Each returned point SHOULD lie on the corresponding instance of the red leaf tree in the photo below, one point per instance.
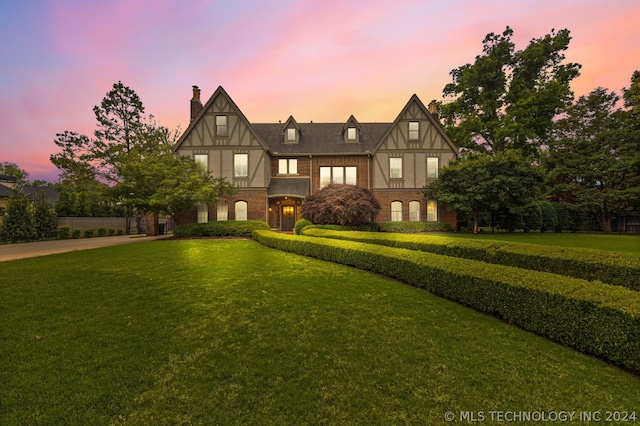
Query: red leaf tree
(341, 205)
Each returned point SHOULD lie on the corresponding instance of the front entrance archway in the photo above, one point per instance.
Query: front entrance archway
(284, 212)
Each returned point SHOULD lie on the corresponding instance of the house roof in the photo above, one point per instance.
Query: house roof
(321, 138)
(5, 191)
(288, 187)
(50, 194)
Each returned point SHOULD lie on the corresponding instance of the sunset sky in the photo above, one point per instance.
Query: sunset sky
(316, 60)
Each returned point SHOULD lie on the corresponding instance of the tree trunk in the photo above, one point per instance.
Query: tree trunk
(605, 223)
(475, 222)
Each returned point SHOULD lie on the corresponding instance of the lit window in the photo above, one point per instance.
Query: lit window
(203, 213)
(241, 165)
(241, 210)
(395, 168)
(432, 167)
(351, 134)
(222, 210)
(291, 134)
(414, 211)
(202, 162)
(432, 211)
(396, 211)
(414, 130)
(288, 166)
(221, 125)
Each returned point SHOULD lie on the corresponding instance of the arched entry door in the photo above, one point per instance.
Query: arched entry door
(288, 218)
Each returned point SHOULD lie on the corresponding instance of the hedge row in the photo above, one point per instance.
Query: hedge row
(414, 227)
(609, 267)
(592, 317)
(227, 228)
(64, 232)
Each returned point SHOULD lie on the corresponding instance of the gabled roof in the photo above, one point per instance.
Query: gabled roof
(219, 92)
(351, 121)
(416, 100)
(291, 122)
(321, 138)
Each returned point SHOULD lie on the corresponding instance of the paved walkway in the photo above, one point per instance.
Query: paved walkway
(43, 248)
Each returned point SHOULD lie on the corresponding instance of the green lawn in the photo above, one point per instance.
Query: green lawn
(626, 243)
(231, 332)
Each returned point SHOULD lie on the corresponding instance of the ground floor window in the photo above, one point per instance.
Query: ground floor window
(414, 211)
(241, 210)
(432, 211)
(203, 213)
(396, 211)
(222, 210)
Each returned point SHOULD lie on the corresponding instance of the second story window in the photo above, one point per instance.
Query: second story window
(414, 130)
(395, 168)
(202, 162)
(432, 167)
(240, 165)
(291, 134)
(288, 166)
(338, 175)
(221, 125)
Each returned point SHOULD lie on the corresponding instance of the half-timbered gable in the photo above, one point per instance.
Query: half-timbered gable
(276, 165)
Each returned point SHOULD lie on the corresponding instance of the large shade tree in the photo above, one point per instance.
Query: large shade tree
(479, 183)
(507, 98)
(593, 161)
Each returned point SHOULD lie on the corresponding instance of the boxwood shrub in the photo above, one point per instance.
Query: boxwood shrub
(609, 267)
(227, 228)
(89, 232)
(592, 317)
(64, 232)
(414, 227)
(102, 231)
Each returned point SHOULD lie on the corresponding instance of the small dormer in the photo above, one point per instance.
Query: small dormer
(291, 131)
(351, 130)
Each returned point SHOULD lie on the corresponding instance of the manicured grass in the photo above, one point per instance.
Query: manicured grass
(231, 332)
(624, 243)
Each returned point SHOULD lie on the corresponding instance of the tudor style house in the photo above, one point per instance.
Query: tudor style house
(275, 166)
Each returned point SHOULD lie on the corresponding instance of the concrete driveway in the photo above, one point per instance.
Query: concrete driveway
(43, 248)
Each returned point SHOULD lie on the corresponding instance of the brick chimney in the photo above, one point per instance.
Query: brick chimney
(433, 109)
(196, 104)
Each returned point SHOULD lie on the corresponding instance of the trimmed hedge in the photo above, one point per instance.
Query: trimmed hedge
(227, 228)
(414, 227)
(610, 267)
(64, 232)
(592, 317)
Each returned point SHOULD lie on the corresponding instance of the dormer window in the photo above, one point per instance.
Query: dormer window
(351, 130)
(291, 134)
(352, 134)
